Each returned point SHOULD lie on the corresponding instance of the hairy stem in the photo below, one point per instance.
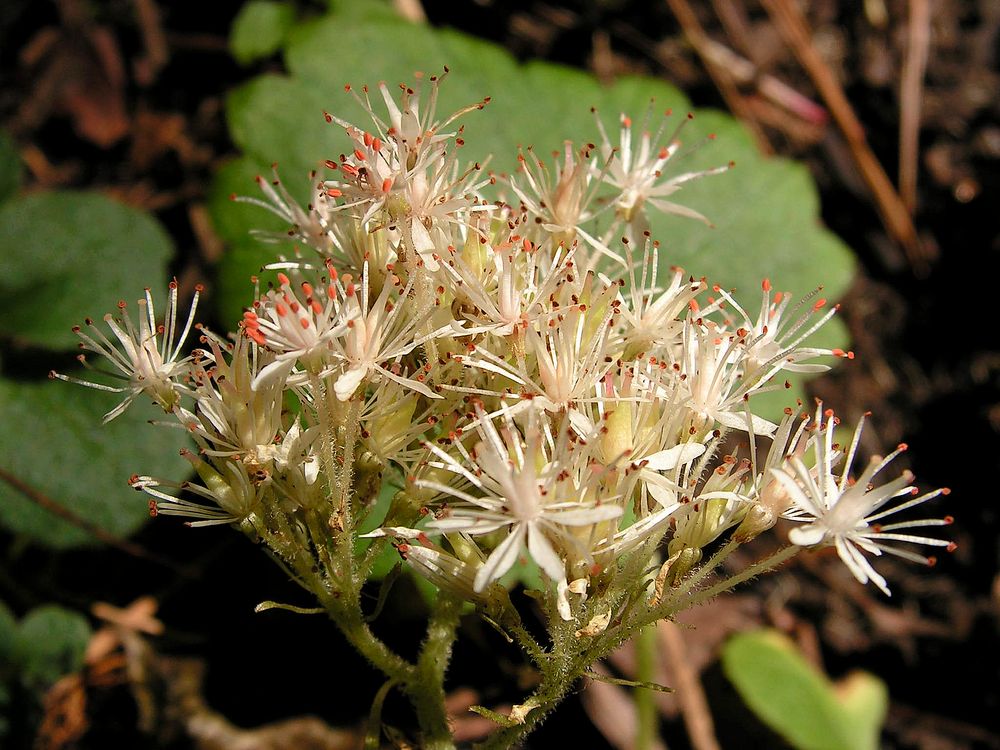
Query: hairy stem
(349, 620)
(426, 691)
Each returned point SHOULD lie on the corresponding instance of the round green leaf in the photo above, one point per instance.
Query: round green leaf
(259, 29)
(54, 443)
(63, 254)
(50, 643)
(8, 637)
(799, 702)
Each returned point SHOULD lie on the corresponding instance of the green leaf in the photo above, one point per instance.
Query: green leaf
(765, 210)
(10, 167)
(799, 702)
(64, 254)
(259, 29)
(49, 644)
(8, 635)
(55, 425)
(246, 254)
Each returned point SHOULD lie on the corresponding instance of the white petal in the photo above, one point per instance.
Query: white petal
(738, 421)
(272, 373)
(807, 536)
(667, 498)
(500, 560)
(348, 383)
(544, 554)
(584, 516)
(674, 457)
(581, 423)
(468, 525)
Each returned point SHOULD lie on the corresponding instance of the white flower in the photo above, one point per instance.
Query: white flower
(849, 513)
(774, 341)
(653, 312)
(234, 493)
(309, 225)
(561, 201)
(636, 171)
(712, 371)
(151, 364)
(232, 418)
(768, 497)
(433, 562)
(406, 175)
(511, 287)
(379, 334)
(296, 330)
(570, 354)
(516, 485)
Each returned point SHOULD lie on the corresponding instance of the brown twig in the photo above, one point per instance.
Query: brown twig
(720, 76)
(123, 545)
(157, 51)
(737, 26)
(694, 706)
(792, 27)
(775, 90)
(910, 99)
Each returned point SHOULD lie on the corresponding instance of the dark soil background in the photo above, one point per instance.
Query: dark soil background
(126, 96)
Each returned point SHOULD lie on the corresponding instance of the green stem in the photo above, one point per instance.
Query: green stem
(426, 691)
(546, 697)
(349, 620)
(762, 566)
(647, 715)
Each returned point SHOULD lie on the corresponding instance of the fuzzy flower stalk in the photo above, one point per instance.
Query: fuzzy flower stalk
(501, 380)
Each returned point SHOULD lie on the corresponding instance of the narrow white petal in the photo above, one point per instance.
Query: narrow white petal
(674, 457)
(275, 372)
(543, 553)
(500, 560)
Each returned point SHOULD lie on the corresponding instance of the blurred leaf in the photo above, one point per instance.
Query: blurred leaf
(259, 29)
(50, 643)
(799, 702)
(66, 255)
(246, 254)
(865, 699)
(8, 635)
(55, 424)
(765, 211)
(10, 167)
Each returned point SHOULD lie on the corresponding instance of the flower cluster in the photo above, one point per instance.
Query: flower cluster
(535, 391)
